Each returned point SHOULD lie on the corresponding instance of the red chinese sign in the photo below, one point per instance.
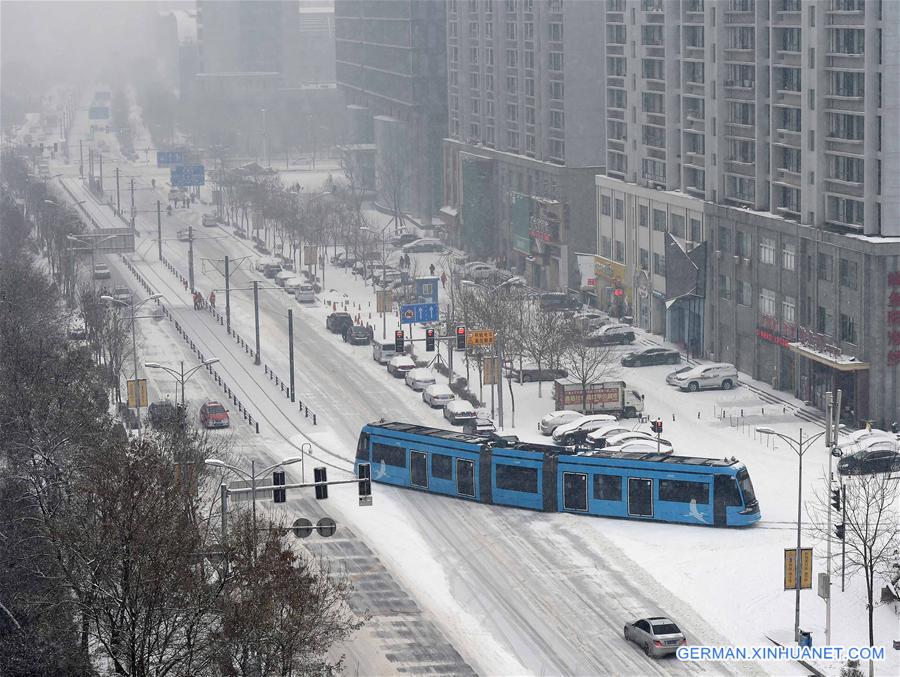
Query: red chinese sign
(893, 318)
(772, 338)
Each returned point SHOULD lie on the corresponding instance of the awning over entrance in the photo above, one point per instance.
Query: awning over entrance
(837, 361)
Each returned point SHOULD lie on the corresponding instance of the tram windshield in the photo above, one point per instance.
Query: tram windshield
(743, 478)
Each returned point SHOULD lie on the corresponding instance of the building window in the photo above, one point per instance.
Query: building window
(529, 59)
(511, 84)
(653, 69)
(644, 259)
(847, 273)
(557, 149)
(615, 98)
(615, 66)
(557, 117)
(767, 302)
(620, 209)
(643, 216)
(744, 293)
(824, 321)
(693, 36)
(652, 35)
(767, 250)
(529, 31)
(512, 140)
(473, 29)
(511, 30)
(489, 82)
(605, 247)
(489, 136)
(512, 112)
(615, 34)
(789, 119)
(473, 80)
(788, 310)
(529, 143)
(489, 108)
(825, 267)
(848, 40)
(488, 28)
(620, 251)
(529, 115)
(605, 205)
(847, 126)
(742, 246)
(474, 130)
(476, 106)
(659, 220)
(849, 84)
(512, 58)
(659, 264)
(557, 90)
(788, 79)
(653, 102)
(845, 210)
(454, 77)
(844, 168)
(655, 170)
(741, 113)
(529, 86)
(724, 239)
(724, 287)
(556, 61)
(848, 328)
(790, 40)
(676, 225)
(693, 72)
(788, 256)
(556, 32)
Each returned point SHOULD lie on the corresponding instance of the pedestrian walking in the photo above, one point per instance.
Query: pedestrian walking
(443, 280)
(431, 268)
(212, 298)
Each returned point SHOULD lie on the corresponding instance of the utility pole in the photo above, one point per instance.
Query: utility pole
(227, 297)
(833, 417)
(256, 316)
(81, 158)
(118, 195)
(159, 228)
(291, 348)
(499, 378)
(132, 204)
(101, 172)
(191, 257)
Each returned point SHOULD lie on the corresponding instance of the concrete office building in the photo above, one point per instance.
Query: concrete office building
(391, 70)
(526, 137)
(770, 124)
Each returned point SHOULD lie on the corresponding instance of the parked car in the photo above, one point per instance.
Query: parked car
(610, 334)
(271, 270)
(577, 431)
(383, 351)
(337, 322)
(213, 415)
(723, 376)
(437, 395)
(479, 426)
(399, 365)
(657, 635)
(292, 284)
(879, 457)
(533, 374)
(210, 220)
(672, 378)
(386, 278)
(554, 419)
(282, 276)
(598, 438)
(423, 244)
(618, 439)
(121, 293)
(648, 356)
(552, 301)
(459, 411)
(589, 320)
(479, 271)
(641, 447)
(101, 271)
(358, 335)
(420, 378)
(402, 239)
(305, 293)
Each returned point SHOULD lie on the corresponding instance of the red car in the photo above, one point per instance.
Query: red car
(214, 415)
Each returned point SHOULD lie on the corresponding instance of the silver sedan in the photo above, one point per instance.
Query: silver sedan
(657, 636)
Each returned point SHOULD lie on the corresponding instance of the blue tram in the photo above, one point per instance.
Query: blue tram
(650, 486)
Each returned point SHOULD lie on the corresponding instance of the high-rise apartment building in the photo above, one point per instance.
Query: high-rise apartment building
(526, 137)
(391, 68)
(757, 139)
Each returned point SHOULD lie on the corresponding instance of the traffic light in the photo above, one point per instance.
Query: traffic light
(429, 340)
(278, 495)
(398, 341)
(656, 426)
(460, 338)
(365, 481)
(321, 475)
(836, 499)
(839, 531)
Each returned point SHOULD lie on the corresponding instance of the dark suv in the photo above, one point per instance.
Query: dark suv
(529, 375)
(558, 301)
(358, 335)
(336, 323)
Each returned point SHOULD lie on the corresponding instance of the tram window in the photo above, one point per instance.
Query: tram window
(728, 488)
(746, 487)
(680, 491)
(442, 466)
(516, 478)
(362, 447)
(389, 454)
(607, 488)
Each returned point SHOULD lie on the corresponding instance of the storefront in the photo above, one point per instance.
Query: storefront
(538, 231)
(611, 288)
(823, 369)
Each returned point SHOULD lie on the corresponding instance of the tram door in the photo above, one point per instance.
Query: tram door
(640, 497)
(724, 487)
(418, 470)
(465, 477)
(575, 491)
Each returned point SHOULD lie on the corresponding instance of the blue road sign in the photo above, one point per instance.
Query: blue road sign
(417, 313)
(187, 175)
(98, 113)
(169, 158)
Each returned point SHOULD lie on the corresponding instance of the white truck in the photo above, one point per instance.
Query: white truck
(609, 397)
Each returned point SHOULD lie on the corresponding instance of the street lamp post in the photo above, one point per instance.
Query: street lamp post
(134, 306)
(252, 476)
(383, 276)
(181, 376)
(800, 447)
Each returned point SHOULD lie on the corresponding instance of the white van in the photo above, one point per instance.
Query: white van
(459, 411)
(724, 376)
(383, 351)
(305, 293)
(283, 276)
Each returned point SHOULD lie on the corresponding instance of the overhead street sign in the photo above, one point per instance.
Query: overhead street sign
(187, 175)
(480, 337)
(169, 158)
(98, 113)
(417, 313)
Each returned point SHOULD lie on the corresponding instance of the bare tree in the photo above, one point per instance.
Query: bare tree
(871, 531)
(587, 363)
(394, 173)
(544, 339)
